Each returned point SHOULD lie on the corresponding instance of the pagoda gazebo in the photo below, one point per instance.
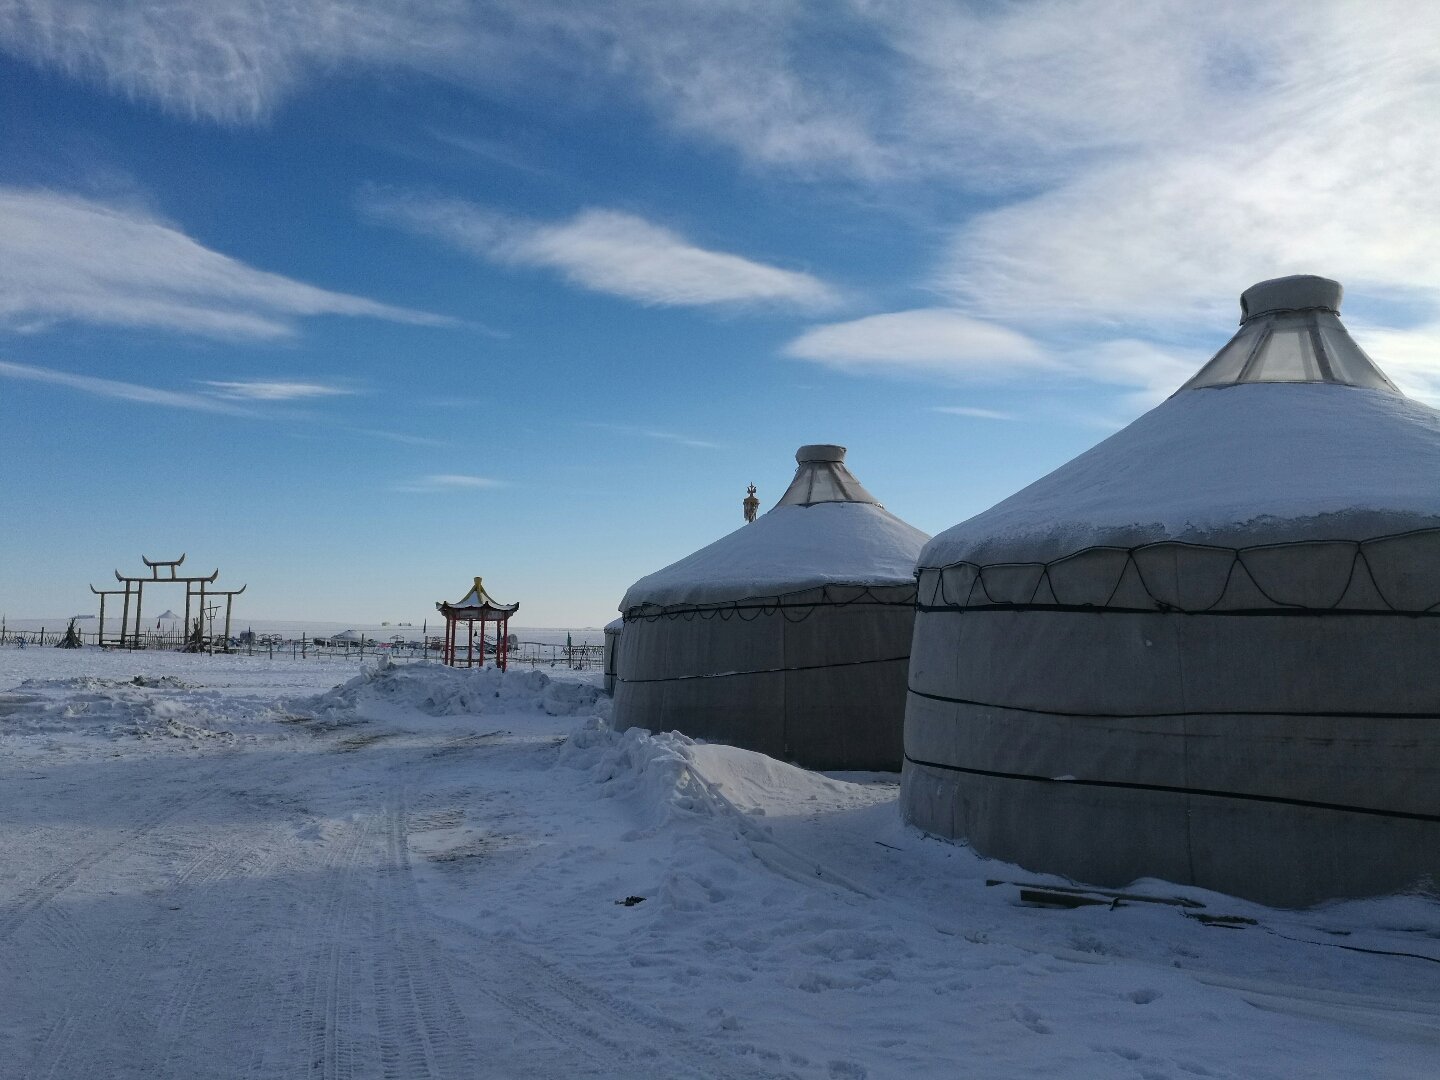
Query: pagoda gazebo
(477, 606)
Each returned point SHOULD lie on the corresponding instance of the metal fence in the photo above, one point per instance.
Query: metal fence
(521, 654)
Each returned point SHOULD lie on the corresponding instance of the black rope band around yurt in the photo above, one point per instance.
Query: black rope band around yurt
(770, 671)
(1039, 711)
(1309, 804)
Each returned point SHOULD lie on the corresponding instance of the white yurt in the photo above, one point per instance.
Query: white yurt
(1207, 649)
(789, 636)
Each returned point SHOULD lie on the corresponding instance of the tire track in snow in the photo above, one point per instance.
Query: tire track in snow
(601, 1026)
(52, 884)
(313, 1012)
(423, 1030)
(113, 1004)
(114, 1013)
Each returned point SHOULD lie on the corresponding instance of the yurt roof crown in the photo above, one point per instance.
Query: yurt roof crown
(1290, 331)
(821, 477)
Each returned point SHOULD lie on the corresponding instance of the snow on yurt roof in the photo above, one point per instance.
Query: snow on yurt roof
(1290, 433)
(826, 529)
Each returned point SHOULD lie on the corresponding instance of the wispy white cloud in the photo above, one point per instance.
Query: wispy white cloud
(441, 482)
(659, 436)
(735, 72)
(928, 341)
(1156, 371)
(1410, 357)
(227, 60)
(1248, 157)
(947, 345)
(63, 257)
(606, 251)
(628, 256)
(275, 391)
(123, 391)
(1146, 161)
(401, 437)
(972, 411)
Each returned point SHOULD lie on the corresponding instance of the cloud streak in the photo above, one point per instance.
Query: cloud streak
(606, 251)
(451, 482)
(67, 258)
(121, 391)
(275, 391)
(972, 411)
(228, 60)
(659, 436)
(925, 341)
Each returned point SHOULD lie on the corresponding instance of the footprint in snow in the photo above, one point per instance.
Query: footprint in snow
(1031, 1019)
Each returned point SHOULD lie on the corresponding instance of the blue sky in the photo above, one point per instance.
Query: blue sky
(358, 300)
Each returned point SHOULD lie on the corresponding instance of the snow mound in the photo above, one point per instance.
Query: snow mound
(437, 690)
(654, 770)
(107, 708)
(672, 776)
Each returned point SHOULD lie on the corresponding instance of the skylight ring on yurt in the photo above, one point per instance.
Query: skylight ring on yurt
(1290, 332)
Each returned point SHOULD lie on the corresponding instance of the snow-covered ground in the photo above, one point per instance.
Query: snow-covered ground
(224, 866)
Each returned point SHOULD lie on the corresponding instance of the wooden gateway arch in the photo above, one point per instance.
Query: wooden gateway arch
(130, 637)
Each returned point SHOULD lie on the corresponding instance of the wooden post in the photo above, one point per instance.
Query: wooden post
(125, 616)
(229, 599)
(100, 635)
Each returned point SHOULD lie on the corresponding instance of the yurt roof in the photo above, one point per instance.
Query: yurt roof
(826, 529)
(1312, 443)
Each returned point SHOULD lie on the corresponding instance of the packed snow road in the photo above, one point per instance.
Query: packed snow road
(219, 867)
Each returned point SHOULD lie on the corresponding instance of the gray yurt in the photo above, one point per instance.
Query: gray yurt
(1207, 649)
(789, 636)
(612, 652)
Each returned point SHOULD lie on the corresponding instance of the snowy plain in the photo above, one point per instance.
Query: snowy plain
(222, 866)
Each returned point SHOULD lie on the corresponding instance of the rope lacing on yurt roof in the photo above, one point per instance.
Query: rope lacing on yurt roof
(1360, 574)
(787, 605)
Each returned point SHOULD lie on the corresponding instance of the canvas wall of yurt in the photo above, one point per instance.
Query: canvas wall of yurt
(611, 654)
(789, 636)
(1206, 649)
